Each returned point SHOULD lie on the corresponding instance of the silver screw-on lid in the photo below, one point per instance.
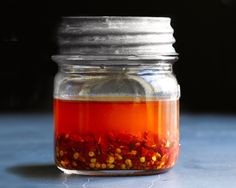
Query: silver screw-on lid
(137, 37)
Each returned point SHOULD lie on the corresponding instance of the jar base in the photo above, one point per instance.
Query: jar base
(113, 172)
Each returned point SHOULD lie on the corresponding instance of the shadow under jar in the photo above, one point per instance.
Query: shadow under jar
(116, 100)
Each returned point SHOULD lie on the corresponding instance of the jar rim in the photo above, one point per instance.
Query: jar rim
(112, 60)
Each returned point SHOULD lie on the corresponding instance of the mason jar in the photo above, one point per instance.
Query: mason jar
(116, 99)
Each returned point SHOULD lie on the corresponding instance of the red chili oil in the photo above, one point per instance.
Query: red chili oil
(116, 134)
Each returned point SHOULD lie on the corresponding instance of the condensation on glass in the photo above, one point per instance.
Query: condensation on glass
(116, 100)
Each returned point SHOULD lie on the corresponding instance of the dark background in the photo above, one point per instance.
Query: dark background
(205, 31)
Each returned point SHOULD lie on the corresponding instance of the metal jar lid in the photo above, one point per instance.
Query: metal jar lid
(104, 37)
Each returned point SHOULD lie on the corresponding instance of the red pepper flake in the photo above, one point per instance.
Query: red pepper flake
(92, 165)
(91, 154)
(123, 166)
(118, 151)
(142, 159)
(103, 166)
(110, 159)
(154, 158)
(76, 155)
(74, 163)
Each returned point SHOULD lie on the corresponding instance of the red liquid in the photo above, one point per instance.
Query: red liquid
(97, 135)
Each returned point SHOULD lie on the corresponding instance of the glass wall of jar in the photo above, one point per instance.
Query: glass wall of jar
(116, 100)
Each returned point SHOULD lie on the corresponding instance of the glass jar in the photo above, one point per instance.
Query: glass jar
(116, 100)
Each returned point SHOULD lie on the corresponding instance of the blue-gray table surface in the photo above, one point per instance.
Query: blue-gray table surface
(207, 158)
